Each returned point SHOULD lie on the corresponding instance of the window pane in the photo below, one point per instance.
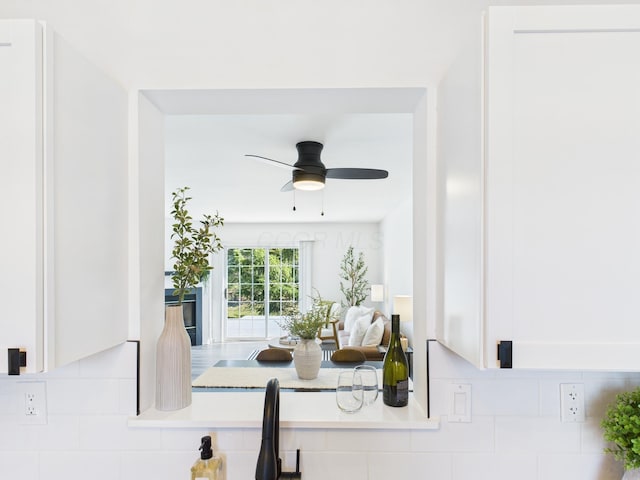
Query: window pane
(275, 273)
(245, 274)
(232, 293)
(246, 292)
(275, 292)
(250, 312)
(289, 291)
(258, 292)
(233, 274)
(258, 274)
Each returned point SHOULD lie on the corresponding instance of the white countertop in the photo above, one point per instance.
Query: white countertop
(307, 410)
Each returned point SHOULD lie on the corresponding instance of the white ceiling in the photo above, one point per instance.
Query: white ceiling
(359, 128)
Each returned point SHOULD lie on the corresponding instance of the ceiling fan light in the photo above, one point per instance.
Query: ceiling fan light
(307, 181)
(308, 185)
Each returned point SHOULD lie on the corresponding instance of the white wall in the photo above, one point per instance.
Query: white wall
(397, 231)
(515, 431)
(291, 44)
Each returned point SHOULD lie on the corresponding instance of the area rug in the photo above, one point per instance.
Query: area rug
(257, 377)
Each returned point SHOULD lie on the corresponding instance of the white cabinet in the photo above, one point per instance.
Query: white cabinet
(554, 200)
(63, 181)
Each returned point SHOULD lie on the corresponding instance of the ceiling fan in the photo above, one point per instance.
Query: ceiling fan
(309, 173)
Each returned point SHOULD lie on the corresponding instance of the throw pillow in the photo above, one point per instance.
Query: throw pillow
(353, 313)
(359, 330)
(373, 335)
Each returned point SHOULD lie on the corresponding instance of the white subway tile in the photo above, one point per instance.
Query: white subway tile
(9, 403)
(505, 397)
(368, 440)
(439, 396)
(243, 465)
(110, 432)
(16, 437)
(338, 466)
(79, 465)
(227, 440)
(127, 397)
(157, 465)
(305, 440)
(410, 465)
(495, 467)
(601, 392)
(20, 465)
(592, 436)
(83, 396)
(536, 434)
(550, 397)
(186, 440)
(61, 433)
(563, 467)
(477, 436)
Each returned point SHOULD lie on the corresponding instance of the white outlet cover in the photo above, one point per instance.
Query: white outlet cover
(572, 408)
(38, 407)
(459, 403)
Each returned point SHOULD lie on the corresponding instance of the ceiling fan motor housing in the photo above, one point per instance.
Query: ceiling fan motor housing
(309, 168)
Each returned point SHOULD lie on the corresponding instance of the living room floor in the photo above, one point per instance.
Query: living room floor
(205, 356)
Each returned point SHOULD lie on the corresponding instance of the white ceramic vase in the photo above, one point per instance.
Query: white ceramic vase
(633, 474)
(307, 357)
(173, 362)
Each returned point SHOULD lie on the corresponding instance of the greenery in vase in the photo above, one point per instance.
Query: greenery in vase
(192, 246)
(353, 270)
(621, 425)
(306, 325)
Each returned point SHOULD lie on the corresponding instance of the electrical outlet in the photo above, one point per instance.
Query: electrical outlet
(572, 402)
(32, 398)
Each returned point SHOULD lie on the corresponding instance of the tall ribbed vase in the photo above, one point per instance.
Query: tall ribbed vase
(173, 362)
(307, 358)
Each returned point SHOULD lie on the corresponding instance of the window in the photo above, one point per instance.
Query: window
(262, 286)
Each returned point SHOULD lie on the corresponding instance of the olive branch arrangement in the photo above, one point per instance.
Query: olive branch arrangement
(192, 246)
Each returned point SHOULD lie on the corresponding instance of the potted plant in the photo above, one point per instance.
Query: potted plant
(353, 270)
(192, 246)
(307, 354)
(192, 249)
(621, 426)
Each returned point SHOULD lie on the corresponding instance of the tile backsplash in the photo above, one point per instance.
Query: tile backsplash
(515, 431)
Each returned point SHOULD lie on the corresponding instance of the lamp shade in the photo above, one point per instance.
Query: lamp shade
(377, 293)
(403, 306)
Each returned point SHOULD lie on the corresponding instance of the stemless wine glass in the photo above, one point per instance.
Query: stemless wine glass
(369, 377)
(349, 391)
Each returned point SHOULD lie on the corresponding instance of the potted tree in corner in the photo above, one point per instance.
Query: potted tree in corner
(621, 426)
(353, 271)
(191, 251)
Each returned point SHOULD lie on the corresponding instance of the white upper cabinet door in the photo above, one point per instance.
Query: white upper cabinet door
(562, 187)
(64, 209)
(21, 191)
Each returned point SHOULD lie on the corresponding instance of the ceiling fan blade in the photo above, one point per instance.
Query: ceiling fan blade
(287, 187)
(271, 161)
(357, 173)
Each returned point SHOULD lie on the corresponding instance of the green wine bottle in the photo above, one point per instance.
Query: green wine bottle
(395, 370)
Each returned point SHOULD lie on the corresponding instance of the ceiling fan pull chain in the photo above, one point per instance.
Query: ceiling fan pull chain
(294, 200)
(322, 207)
